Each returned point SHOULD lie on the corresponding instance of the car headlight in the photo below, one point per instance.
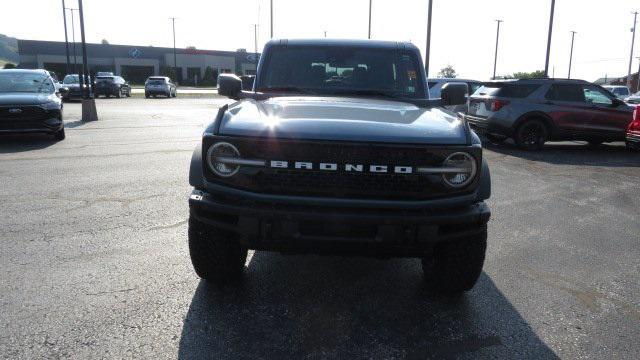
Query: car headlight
(220, 158)
(463, 169)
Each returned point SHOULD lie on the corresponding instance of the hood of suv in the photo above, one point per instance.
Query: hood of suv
(342, 119)
(9, 99)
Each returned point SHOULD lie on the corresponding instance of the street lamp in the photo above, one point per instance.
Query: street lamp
(546, 63)
(633, 39)
(427, 55)
(370, 4)
(175, 57)
(66, 37)
(73, 39)
(89, 112)
(495, 58)
(573, 35)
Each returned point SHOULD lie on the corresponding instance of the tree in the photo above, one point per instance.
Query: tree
(447, 72)
(104, 42)
(9, 66)
(169, 71)
(209, 78)
(191, 48)
(538, 74)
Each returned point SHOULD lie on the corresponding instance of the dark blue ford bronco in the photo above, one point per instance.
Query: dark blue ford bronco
(337, 149)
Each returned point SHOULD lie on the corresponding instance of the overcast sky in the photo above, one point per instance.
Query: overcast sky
(463, 31)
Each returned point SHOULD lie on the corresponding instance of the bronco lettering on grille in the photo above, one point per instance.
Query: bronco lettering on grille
(306, 165)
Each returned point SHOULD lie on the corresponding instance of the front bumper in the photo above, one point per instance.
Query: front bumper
(364, 230)
(49, 126)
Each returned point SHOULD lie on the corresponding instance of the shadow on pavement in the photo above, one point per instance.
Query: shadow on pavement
(572, 153)
(25, 142)
(345, 308)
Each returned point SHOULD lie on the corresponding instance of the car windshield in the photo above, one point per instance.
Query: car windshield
(72, 79)
(105, 79)
(25, 83)
(344, 70)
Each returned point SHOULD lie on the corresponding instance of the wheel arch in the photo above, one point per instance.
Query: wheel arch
(536, 115)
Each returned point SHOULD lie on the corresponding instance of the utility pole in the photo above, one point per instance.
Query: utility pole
(633, 39)
(638, 82)
(89, 112)
(325, 33)
(546, 63)
(271, 19)
(175, 57)
(573, 35)
(73, 38)
(370, 4)
(255, 39)
(66, 37)
(427, 55)
(495, 59)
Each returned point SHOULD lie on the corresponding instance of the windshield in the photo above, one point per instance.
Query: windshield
(72, 79)
(106, 79)
(331, 70)
(25, 82)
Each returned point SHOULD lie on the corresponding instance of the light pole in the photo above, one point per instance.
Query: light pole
(175, 57)
(495, 58)
(89, 112)
(73, 39)
(573, 35)
(546, 63)
(255, 39)
(272, 19)
(66, 37)
(633, 39)
(427, 55)
(370, 4)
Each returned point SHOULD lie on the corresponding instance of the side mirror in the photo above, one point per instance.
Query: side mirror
(229, 85)
(454, 94)
(63, 91)
(247, 82)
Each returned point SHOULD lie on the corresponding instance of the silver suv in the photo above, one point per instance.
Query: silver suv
(159, 85)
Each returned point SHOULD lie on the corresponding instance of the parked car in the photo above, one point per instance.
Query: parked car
(159, 85)
(533, 112)
(633, 99)
(361, 164)
(72, 82)
(621, 92)
(112, 86)
(30, 103)
(633, 132)
(435, 88)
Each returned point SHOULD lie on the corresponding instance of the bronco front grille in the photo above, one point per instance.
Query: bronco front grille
(339, 184)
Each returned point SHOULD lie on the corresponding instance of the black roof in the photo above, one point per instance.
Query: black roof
(343, 42)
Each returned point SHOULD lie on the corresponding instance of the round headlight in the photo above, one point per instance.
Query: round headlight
(218, 157)
(465, 169)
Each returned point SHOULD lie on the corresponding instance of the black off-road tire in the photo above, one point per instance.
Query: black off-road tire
(531, 135)
(60, 135)
(216, 255)
(456, 266)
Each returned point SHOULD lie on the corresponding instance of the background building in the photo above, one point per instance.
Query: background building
(136, 63)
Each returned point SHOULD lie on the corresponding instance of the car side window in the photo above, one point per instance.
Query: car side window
(566, 92)
(593, 95)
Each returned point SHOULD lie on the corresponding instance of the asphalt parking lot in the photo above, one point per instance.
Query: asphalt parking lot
(93, 247)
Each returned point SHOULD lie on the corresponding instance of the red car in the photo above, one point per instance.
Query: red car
(633, 131)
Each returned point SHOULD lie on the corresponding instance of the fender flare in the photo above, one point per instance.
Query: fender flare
(484, 186)
(196, 177)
